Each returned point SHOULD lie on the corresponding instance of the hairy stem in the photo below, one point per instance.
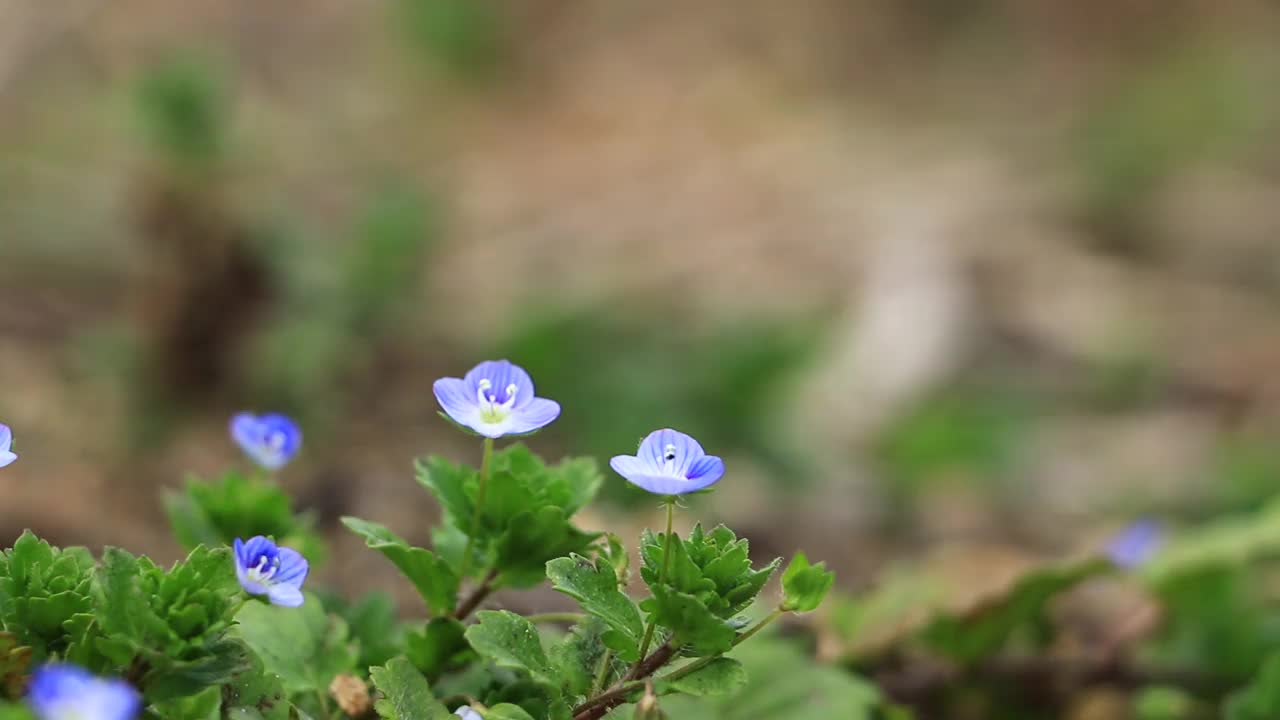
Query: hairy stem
(477, 596)
(602, 675)
(485, 459)
(662, 576)
(599, 705)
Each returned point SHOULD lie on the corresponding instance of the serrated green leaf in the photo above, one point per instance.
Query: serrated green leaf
(440, 644)
(533, 539)
(509, 640)
(721, 676)
(255, 693)
(573, 483)
(41, 588)
(683, 575)
(219, 664)
(431, 576)
(405, 693)
(236, 505)
(805, 586)
(577, 656)
(448, 482)
(507, 711)
(693, 625)
(595, 587)
(305, 646)
(205, 705)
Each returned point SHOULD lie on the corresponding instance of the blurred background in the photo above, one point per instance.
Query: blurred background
(987, 278)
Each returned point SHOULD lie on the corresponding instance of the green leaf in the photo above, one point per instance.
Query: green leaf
(573, 483)
(241, 506)
(1260, 700)
(780, 679)
(205, 705)
(534, 538)
(595, 587)
(42, 588)
(255, 693)
(305, 646)
(578, 655)
(691, 623)
(509, 640)
(436, 647)
(1231, 542)
(405, 693)
(507, 711)
(434, 580)
(374, 624)
(722, 676)
(804, 586)
(218, 664)
(448, 483)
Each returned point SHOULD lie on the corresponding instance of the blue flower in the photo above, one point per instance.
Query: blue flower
(669, 463)
(67, 692)
(271, 440)
(6, 441)
(495, 399)
(277, 572)
(466, 712)
(1135, 544)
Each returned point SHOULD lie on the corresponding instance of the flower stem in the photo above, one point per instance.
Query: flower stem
(602, 675)
(699, 664)
(662, 575)
(485, 461)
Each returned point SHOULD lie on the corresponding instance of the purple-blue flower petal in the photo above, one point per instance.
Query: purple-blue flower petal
(6, 442)
(293, 568)
(706, 470)
(60, 691)
(457, 400)
(669, 462)
(270, 440)
(501, 375)
(538, 414)
(285, 595)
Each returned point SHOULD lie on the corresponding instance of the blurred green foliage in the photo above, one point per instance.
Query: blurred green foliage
(1189, 104)
(183, 105)
(462, 36)
(966, 432)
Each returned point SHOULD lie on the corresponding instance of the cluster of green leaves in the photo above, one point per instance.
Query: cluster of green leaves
(168, 631)
(240, 506)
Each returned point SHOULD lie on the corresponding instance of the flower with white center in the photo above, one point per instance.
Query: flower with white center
(495, 399)
(6, 442)
(270, 440)
(68, 692)
(669, 463)
(264, 569)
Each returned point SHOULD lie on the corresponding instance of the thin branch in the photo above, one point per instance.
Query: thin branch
(477, 596)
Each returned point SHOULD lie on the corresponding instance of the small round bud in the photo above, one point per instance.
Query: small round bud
(351, 694)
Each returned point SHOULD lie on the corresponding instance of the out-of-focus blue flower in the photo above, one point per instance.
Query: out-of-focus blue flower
(271, 440)
(1136, 544)
(669, 463)
(68, 692)
(277, 572)
(6, 442)
(466, 712)
(495, 399)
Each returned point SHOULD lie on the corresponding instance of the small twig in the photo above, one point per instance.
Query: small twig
(476, 596)
(598, 706)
